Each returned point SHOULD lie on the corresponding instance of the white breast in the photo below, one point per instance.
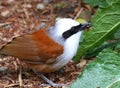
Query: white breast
(70, 49)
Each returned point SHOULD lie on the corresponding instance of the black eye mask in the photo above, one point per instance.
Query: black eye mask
(74, 30)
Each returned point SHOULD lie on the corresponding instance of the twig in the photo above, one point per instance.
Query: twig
(26, 13)
(20, 77)
(11, 85)
(78, 13)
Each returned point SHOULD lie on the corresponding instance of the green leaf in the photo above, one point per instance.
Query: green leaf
(112, 44)
(110, 2)
(115, 85)
(100, 73)
(105, 23)
(117, 34)
(96, 2)
(117, 48)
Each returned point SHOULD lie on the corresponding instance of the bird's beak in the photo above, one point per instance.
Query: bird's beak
(85, 26)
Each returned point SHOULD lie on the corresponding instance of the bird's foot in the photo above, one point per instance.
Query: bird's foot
(50, 83)
(53, 85)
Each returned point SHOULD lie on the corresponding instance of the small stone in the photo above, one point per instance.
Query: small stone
(8, 26)
(2, 68)
(40, 6)
(5, 13)
(4, 39)
(47, 1)
(27, 5)
(10, 1)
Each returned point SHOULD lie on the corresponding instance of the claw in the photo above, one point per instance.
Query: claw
(50, 83)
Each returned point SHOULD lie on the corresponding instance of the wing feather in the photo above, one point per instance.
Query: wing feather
(33, 47)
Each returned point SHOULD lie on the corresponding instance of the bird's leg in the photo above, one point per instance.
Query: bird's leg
(50, 83)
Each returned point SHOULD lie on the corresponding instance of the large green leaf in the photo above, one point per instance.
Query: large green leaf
(104, 72)
(96, 2)
(105, 23)
(100, 3)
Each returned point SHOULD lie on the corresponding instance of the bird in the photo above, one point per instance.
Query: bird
(47, 50)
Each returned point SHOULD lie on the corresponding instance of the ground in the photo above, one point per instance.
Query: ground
(18, 17)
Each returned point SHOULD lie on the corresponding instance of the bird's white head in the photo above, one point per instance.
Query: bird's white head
(62, 25)
(66, 32)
